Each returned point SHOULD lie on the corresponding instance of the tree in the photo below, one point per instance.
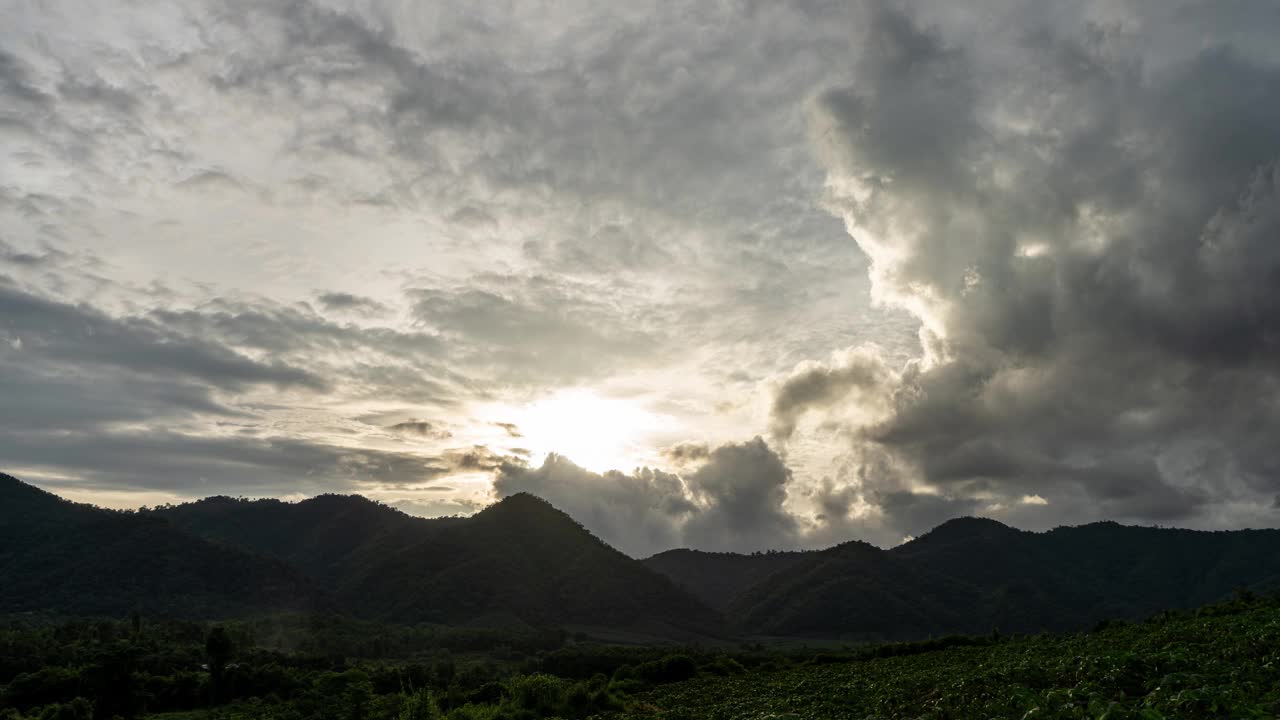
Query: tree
(219, 648)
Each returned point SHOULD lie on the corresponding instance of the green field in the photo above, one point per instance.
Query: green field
(1221, 661)
(1223, 665)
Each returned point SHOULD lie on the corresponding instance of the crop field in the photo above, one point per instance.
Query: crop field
(1218, 663)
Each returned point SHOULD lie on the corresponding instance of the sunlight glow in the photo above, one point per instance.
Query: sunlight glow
(594, 432)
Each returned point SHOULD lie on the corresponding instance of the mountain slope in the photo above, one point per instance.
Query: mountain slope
(320, 536)
(718, 578)
(57, 556)
(858, 591)
(518, 561)
(523, 562)
(970, 575)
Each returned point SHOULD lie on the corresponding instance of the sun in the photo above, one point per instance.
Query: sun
(594, 432)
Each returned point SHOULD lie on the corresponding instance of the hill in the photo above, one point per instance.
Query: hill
(519, 561)
(58, 556)
(522, 562)
(717, 578)
(972, 575)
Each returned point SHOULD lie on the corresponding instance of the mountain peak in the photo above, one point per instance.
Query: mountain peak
(965, 528)
(526, 505)
(972, 522)
(18, 496)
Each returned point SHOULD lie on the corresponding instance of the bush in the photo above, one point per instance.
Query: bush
(541, 694)
(672, 668)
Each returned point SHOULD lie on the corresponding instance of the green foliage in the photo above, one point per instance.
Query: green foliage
(1222, 662)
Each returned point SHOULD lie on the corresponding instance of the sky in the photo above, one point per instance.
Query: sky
(727, 275)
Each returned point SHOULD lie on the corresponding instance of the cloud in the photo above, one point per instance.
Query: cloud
(1082, 238)
(741, 489)
(189, 465)
(511, 429)
(476, 458)
(639, 513)
(858, 375)
(535, 329)
(1074, 207)
(420, 427)
(733, 500)
(347, 302)
(83, 338)
(687, 452)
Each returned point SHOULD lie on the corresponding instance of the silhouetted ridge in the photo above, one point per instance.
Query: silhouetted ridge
(524, 507)
(59, 556)
(961, 530)
(716, 578)
(16, 495)
(852, 547)
(520, 560)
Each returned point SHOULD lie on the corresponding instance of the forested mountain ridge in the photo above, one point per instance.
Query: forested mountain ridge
(522, 562)
(974, 574)
(716, 578)
(518, 561)
(64, 557)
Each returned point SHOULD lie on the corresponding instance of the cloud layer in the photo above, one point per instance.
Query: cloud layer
(1010, 258)
(733, 500)
(1087, 236)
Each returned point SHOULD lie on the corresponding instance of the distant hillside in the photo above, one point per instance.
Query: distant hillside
(855, 589)
(521, 562)
(972, 575)
(718, 578)
(518, 561)
(57, 556)
(323, 537)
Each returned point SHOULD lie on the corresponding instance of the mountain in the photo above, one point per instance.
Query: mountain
(323, 536)
(518, 561)
(717, 578)
(522, 562)
(970, 575)
(853, 590)
(62, 557)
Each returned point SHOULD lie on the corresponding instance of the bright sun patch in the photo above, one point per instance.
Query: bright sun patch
(594, 432)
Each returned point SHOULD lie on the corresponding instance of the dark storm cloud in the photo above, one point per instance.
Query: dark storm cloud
(346, 302)
(476, 458)
(38, 395)
(192, 465)
(817, 386)
(46, 257)
(370, 362)
(82, 337)
(81, 384)
(1090, 246)
(421, 427)
(741, 489)
(732, 501)
(687, 452)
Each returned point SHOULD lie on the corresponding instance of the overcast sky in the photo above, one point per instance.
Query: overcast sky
(728, 275)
